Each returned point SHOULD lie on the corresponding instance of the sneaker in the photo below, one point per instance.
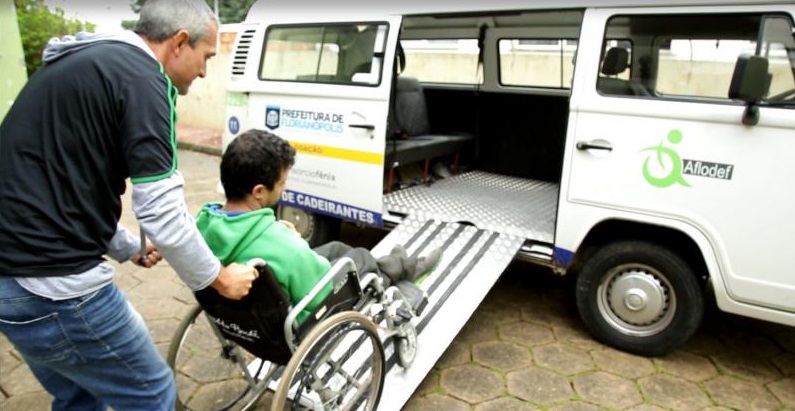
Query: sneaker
(399, 251)
(427, 263)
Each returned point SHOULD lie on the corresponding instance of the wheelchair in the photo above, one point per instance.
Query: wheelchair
(226, 354)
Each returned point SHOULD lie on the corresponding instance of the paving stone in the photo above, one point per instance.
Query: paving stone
(563, 358)
(784, 390)
(499, 312)
(472, 383)
(749, 368)
(667, 391)
(548, 316)
(740, 394)
(435, 402)
(154, 284)
(623, 364)
(785, 363)
(478, 329)
(575, 406)
(505, 404)
(8, 361)
(514, 291)
(162, 348)
(163, 308)
(539, 386)
(20, 381)
(607, 390)
(183, 293)
(576, 335)
(501, 355)
(28, 402)
(162, 331)
(646, 407)
(690, 366)
(526, 334)
(125, 281)
(456, 354)
(429, 384)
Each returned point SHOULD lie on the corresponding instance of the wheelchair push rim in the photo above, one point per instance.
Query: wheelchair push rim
(211, 372)
(339, 365)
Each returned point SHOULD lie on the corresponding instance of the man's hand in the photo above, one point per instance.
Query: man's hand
(234, 281)
(151, 258)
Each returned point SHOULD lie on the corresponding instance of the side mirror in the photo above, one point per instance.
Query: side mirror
(750, 82)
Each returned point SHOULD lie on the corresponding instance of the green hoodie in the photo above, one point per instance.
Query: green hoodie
(256, 234)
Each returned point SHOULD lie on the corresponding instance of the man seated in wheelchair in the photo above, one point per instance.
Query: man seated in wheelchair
(254, 171)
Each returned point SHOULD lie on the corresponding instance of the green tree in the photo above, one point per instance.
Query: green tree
(38, 24)
(229, 11)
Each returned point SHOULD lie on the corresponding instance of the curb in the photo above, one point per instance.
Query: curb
(199, 148)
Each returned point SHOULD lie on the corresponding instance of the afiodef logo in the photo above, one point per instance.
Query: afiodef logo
(664, 167)
(668, 160)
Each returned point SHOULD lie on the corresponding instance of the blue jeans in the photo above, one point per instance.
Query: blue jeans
(89, 352)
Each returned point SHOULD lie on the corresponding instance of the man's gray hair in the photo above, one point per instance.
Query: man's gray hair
(160, 19)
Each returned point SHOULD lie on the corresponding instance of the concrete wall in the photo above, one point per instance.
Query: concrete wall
(205, 103)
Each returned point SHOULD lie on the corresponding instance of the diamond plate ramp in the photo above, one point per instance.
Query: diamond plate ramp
(472, 262)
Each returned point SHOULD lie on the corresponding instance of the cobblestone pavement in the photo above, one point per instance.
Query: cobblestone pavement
(524, 348)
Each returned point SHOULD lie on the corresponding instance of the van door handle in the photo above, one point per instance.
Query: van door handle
(364, 126)
(594, 145)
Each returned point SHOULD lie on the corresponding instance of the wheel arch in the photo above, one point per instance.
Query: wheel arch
(613, 230)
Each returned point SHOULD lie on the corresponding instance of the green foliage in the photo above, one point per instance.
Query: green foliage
(38, 24)
(229, 11)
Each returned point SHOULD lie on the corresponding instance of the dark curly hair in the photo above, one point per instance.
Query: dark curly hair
(254, 157)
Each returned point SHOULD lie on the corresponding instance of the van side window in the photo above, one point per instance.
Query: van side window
(547, 63)
(451, 61)
(693, 56)
(334, 53)
(778, 46)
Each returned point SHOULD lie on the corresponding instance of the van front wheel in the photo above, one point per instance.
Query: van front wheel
(639, 297)
(314, 228)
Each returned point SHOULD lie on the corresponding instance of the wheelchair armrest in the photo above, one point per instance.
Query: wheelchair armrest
(343, 266)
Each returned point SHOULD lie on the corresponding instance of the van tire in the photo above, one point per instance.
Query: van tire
(316, 229)
(639, 297)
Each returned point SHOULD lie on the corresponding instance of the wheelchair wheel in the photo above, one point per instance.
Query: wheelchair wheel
(213, 373)
(406, 345)
(338, 365)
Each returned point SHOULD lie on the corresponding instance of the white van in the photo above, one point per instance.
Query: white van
(645, 147)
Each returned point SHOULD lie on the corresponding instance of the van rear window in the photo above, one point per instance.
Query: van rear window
(334, 53)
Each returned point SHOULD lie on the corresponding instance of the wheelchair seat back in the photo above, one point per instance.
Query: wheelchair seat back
(256, 321)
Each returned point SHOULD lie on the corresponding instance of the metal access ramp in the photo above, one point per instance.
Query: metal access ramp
(472, 262)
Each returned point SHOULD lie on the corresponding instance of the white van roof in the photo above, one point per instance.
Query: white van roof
(419, 7)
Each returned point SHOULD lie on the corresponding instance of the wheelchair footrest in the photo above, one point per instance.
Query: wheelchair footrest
(415, 296)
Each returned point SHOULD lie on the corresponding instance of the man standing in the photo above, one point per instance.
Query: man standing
(100, 110)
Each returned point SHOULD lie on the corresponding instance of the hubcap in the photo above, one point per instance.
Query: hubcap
(300, 218)
(636, 299)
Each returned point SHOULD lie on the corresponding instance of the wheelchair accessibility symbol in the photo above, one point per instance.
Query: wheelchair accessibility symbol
(667, 160)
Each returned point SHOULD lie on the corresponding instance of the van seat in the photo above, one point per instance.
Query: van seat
(413, 141)
(616, 61)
